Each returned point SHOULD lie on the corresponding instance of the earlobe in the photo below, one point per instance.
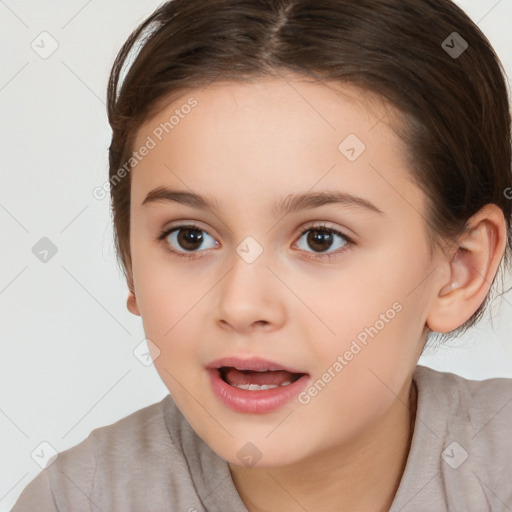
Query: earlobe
(131, 304)
(472, 270)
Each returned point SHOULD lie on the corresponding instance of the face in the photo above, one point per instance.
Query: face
(330, 296)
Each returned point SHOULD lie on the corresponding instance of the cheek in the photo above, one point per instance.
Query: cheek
(363, 371)
(375, 312)
(168, 293)
(170, 313)
(370, 287)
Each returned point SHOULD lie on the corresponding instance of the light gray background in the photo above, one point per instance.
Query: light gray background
(67, 364)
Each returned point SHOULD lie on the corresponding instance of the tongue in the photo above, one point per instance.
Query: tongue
(277, 377)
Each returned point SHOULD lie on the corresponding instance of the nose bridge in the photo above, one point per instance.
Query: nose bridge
(248, 265)
(247, 294)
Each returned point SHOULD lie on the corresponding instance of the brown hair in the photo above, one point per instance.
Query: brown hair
(453, 103)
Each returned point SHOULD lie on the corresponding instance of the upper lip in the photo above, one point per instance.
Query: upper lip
(253, 363)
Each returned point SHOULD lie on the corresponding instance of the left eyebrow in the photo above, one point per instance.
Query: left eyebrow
(310, 200)
(289, 204)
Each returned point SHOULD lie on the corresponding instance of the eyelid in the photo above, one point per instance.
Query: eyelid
(318, 225)
(190, 224)
(329, 225)
(181, 254)
(309, 225)
(322, 256)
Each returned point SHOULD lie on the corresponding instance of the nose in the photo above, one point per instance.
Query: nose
(250, 297)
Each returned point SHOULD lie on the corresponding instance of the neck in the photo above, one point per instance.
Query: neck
(361, 477)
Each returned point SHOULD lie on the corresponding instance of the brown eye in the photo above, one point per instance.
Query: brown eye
(321, 238)
(189, 239)
(183, 239)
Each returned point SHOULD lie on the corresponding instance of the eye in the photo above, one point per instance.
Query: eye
(189, 238)
(322, 238)
(183, 241)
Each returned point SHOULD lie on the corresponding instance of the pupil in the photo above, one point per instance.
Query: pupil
(189, 238)
(320, 237)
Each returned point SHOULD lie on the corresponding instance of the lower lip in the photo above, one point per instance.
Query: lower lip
(258, 402)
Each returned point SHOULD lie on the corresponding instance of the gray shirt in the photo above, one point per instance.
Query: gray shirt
(152, 461)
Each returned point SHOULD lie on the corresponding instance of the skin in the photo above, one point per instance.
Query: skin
(248, 145)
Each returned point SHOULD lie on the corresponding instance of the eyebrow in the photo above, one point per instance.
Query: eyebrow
(290, 204)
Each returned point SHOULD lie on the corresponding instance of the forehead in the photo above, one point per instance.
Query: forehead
(288, 91)
(274, 134)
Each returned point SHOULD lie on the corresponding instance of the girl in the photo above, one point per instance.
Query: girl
(246, 135)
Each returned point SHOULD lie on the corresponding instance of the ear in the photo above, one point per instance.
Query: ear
(131, 302)
(472, 270)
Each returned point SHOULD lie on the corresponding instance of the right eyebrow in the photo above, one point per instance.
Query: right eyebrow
(164, 194)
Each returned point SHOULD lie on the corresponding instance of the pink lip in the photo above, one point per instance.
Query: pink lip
(254, 363)
(256, 402)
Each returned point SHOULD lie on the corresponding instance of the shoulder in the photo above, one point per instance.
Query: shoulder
(136, 436)
(112, 456)
(471, 423)
(479, 399)
(142, 431)
(482, 407)
(461, 446)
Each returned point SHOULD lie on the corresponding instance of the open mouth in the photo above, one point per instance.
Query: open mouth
(257, 380)
(254, 385)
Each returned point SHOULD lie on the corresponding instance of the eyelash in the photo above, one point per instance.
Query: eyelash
(192, 255)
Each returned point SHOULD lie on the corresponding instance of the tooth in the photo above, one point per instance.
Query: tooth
(256, 387)
(285, 383)
(246, 370)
